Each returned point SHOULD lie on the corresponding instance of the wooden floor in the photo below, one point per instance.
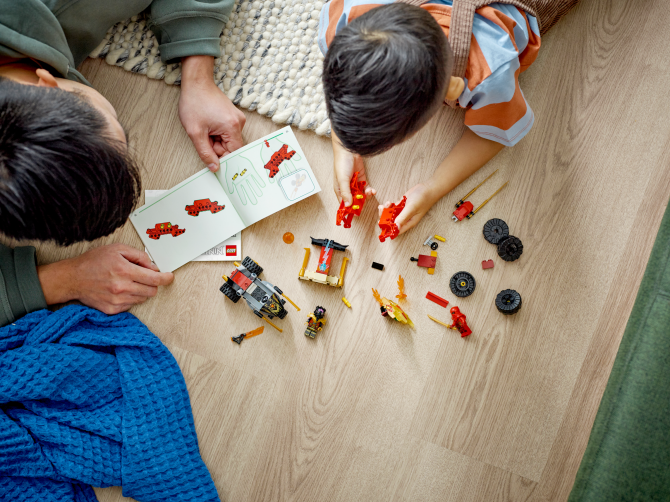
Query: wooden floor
(374, 411)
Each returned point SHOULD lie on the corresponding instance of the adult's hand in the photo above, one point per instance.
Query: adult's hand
(210, 119)
(109, 278)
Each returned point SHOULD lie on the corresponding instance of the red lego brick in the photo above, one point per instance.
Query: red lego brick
(427, 261)
(487, 264)
(437, 299)
(240, 279)
(464, 210)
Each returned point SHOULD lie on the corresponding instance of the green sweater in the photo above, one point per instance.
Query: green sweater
(60, 34)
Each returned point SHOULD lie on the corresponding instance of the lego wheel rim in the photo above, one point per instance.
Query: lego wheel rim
(510, 249)
(508, 302)
(495, 230)
(462, 284)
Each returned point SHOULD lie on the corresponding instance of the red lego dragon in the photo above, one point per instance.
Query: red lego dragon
(201, 205)
(387, 223)
(346, 214)
(164, 228)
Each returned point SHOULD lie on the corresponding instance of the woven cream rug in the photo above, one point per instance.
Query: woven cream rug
(270, 61)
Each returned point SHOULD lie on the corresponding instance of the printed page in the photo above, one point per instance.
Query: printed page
(186, 221)
(267, 176)
(228, 250)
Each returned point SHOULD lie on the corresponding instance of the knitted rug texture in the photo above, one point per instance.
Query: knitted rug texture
(270, 61)
(90, 399)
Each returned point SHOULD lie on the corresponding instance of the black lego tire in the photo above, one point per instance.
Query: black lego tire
(462, 284)
(252, 266)
(495, 230)
(508, 302)
(228, 290)
(510, 249)
(283, 313)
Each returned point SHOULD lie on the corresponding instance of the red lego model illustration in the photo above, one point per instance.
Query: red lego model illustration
(201, 205)
(164, 228)
(458, 322)
(465, 208)
(277, 158)
(346, 214)
(387, 221)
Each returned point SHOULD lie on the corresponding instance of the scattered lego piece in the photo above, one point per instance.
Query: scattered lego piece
(425, 261)
(487, 264)
(315, 322)
(508, 302)
(429, 241)
(261, 296)
(377, 266)
(346, 214)
(440, 238)
(431, 270)
(401, 289)
(434, 246)
(288, 238)
(437, 299)
(391, 309)
(238, 339)
(462, 284)
(510, 248)
(321, 274)
(387, 220)
(439, 322)
(346, 302)
(458, 322)
(464, 208)
(495, 230)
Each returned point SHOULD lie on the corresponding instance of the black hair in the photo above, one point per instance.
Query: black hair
(384, 76)
(63, 177)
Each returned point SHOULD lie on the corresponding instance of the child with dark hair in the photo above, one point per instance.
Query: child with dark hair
(389, 68)
(66, 174)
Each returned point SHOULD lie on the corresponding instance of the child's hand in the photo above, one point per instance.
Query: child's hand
(345, 165)
(419, 200)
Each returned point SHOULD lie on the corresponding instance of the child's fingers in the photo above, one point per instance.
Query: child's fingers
(369, 192)
(345, 192)
(381, 207)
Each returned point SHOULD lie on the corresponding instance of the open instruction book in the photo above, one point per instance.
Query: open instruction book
(253, 182)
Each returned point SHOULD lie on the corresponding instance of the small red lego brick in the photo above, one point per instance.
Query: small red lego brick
(437, 299)
(425, 261)
(487, 264)
(458, 322)
(387, 221)
(346, 214)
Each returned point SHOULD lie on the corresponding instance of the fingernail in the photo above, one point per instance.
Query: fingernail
(212, 166)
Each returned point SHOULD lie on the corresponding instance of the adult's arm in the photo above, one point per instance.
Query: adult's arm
(20, 290)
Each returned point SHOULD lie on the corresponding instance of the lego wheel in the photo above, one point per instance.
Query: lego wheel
(495, 230)
(283, 313)
(508, 302)
(462, 284)
(228, 290)
(510, 249)
(252, 266)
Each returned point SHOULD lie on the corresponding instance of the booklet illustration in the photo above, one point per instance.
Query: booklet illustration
(257, 180)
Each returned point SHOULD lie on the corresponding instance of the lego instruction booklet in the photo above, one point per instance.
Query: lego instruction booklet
(205, 210)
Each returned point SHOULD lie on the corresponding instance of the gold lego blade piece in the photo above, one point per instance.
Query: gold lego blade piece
(291, 302)
(273, 325)
(440, 322)
(475, 189)
(343, 268)
(305, 261)
(484, 203)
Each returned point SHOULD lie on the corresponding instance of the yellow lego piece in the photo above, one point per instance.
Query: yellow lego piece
(431, 271)
(440, 238)
(346, 302)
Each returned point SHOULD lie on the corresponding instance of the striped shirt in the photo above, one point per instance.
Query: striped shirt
(505, 42)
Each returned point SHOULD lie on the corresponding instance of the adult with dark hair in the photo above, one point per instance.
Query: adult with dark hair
(66, 173)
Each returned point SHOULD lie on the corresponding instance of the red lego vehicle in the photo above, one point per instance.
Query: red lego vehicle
(164, 228)
(387, 221)
(346, 214)
(201, 205)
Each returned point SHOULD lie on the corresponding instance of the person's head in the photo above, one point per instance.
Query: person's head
(384, 76)
(65, 170)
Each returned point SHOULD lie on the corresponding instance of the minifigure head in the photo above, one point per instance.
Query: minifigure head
(319, 312)
(384, 76)
(455, 310)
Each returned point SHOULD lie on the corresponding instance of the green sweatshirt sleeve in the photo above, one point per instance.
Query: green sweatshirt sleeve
(20, 289)
(189, 27)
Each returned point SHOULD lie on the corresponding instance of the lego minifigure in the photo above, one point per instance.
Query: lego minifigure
(459, 323)
(315, 322)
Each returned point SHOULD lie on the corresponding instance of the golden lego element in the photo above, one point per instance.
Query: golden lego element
(458, 204)
(273, 325)
(288, 238)
(340, 282)
(254, 332)
(291, 302)
(225, 278)
(442, 323)
(401, 289)
(484, 203)
(440, 238)
(431, 271)
(237, 263)
(392, 309)
(346, 302)
(305, 262)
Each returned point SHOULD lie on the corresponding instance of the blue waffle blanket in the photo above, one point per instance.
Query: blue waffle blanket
(88, 399)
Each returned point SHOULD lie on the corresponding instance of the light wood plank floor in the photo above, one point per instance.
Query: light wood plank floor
(372, 410)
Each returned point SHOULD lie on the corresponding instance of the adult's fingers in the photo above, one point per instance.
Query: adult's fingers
(138, 291)
(148, 277)
(138, 257)
(219, 149)
(205, 150)
(233, 140)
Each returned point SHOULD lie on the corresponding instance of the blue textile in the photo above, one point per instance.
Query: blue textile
(91, 399)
